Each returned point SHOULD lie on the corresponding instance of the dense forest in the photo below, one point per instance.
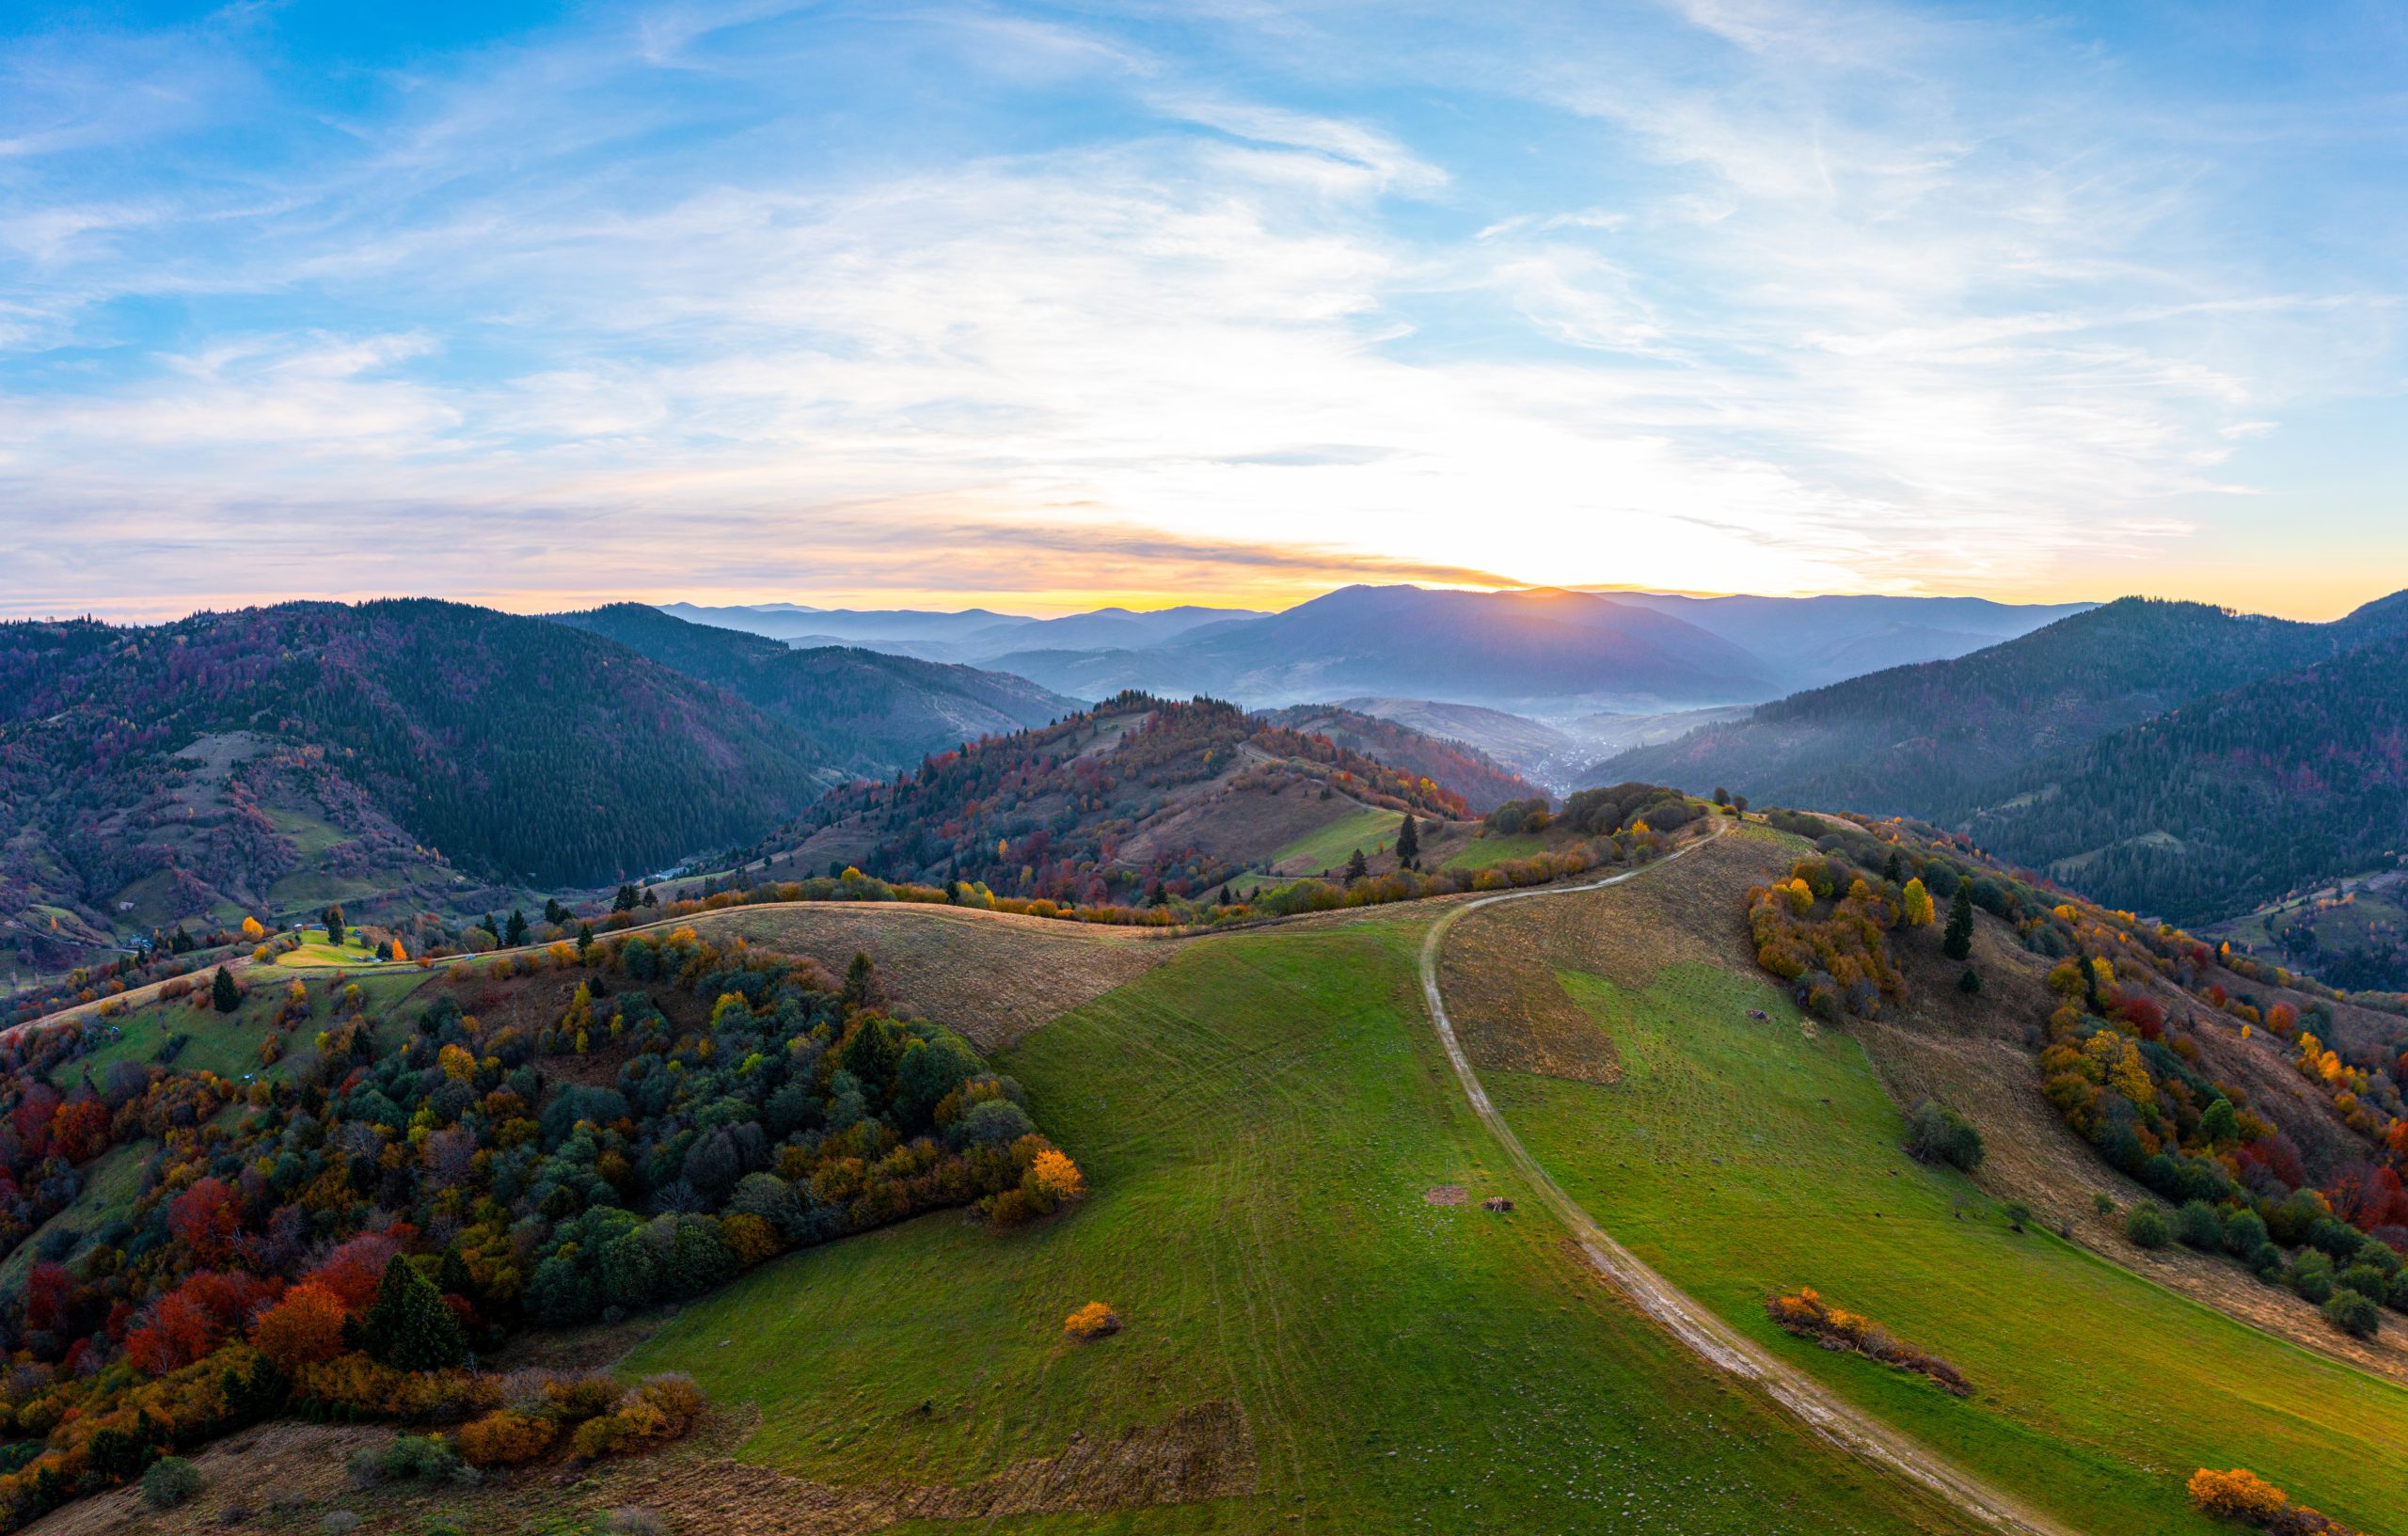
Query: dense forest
(508, 744)
(2229, 800)
(871, 712)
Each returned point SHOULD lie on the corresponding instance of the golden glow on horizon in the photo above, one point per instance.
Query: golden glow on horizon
(2307, 592)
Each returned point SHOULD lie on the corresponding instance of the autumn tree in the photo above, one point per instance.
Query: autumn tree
(302, 1329)
(1914, 905)
(253, 930)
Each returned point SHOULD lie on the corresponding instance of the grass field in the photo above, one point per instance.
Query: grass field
(1260, 1118)
(1328, 847)
(1493, 849)
(225, 1043)
(314, 950)
(1740, 1156)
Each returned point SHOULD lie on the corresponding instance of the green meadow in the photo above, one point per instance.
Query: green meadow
(1493, 849)
(1261, 1119)
(229, 1043)
(1741, 1157)
(1328, 847)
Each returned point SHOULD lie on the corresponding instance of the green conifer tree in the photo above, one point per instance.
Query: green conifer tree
(1957, 943)
(222, 994)
(409, 1328)
(1408, 843)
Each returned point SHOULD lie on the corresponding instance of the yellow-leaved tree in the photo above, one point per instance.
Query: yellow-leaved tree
(1914, 906)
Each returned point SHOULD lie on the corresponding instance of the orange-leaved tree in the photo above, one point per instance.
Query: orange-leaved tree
(2239, 1493)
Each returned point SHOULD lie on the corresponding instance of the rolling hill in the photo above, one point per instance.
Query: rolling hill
(1483, 782)
(1286, 1204)
(1139, 795)
(871, 711)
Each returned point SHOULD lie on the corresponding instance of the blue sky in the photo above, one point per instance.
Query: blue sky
(1043, 307)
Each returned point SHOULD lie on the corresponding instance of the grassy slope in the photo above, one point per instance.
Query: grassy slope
(1260, 1118)
(313, 950)
(1740, 1156)
(1487, 852)
(228, 1043)
(1364, 827)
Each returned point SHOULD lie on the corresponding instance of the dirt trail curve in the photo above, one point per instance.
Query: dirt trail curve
(1691, 1322)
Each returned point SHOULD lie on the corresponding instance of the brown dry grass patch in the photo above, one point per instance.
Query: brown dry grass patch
(288, 1477)
(994, 976)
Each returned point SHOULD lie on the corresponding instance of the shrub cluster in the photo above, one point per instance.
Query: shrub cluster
(1807, 1315)
(2241, 1495)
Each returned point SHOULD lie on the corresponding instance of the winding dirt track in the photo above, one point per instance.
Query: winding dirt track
(1708, 1336)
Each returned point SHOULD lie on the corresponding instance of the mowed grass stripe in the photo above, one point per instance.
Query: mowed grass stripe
(1259, 1118)
(1740, 1157)
(1329, 847)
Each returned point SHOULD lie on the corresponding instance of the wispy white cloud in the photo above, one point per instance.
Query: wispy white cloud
(1800, 301)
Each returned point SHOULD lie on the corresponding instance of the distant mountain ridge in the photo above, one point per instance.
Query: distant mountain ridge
(873, 711)
(1538, 651)
(1813, 640)
(2229, 800)
(2170, 757)
(1932, 740)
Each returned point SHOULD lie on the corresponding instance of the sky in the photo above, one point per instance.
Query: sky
(1041, 308)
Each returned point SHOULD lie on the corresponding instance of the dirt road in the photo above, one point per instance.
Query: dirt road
(1708, 1336)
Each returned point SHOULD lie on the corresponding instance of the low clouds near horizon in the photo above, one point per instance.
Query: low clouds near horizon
(1038, 307)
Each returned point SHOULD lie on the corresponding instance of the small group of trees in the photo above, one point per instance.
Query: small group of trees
(421, 1187)
(1938, 1134)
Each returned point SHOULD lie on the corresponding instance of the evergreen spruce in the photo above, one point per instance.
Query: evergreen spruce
(332, 918)
(1408, 843)
(861, 990)
(1958, 944)
(222, 994)
(409, 1328)
(1357, 867)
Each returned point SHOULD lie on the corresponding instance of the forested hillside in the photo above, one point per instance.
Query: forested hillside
(872, 711)
(1931, 741)
(1483, 782)
(2229, 800)
(188, 763)
(1139, 796)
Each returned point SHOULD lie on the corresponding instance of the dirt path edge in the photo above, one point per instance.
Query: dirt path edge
(1686, 1319)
